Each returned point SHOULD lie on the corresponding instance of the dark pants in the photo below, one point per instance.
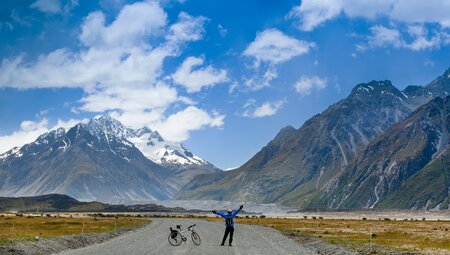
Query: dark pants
(228, 230)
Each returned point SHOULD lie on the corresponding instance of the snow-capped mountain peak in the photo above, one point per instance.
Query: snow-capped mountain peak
(50, 136)
(15, 152)
(148, 141)
(154, 147)
(104, 124)
(100, 160)
(108, 129)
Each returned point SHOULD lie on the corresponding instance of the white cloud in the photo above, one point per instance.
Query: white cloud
(312, 13)
(67, 124)
(422, 43)
(264, 110)
(421, 39)
(306, 84)
(382, 37)
(132, 26)
(414, 13)
(267, 109)
(130, 99)
(177, 126)
(195, 79)
(417, 11)
(417, 30)
(273, 47)
(259, 81)
(115, 55)
(429, 63)
(222, 31)
(188, 28)
(138, 118)
(233, 87)
(48, 6)
(120, 68)
(29, 131)
(249, 102)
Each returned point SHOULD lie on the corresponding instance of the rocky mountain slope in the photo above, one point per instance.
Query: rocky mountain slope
(427, 189)
(97, 161)
(393, 158)
(299, 165)
(173, 156)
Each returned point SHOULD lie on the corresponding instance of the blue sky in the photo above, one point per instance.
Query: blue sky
(220, 76)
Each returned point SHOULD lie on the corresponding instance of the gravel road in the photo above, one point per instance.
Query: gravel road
(152, 239)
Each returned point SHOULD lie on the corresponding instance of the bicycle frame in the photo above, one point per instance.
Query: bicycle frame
(183, 233)
(178, 236)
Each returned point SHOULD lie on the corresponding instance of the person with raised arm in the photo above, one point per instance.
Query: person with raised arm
(229, 223)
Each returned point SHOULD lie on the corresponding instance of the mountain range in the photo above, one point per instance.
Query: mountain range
(380, 147)
(355, 154)
(101, 160)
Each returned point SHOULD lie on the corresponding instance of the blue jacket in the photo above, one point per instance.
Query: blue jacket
(229, 218)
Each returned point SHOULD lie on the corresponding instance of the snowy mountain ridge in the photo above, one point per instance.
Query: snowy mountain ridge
(100, 160)
(148, 141)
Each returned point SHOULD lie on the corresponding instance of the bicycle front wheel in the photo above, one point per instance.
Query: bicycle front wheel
(175, 239)
(195, 238)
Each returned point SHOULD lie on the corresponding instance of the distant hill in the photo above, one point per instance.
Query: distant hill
(63, 203)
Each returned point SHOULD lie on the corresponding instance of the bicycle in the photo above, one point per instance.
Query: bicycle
(177, 236)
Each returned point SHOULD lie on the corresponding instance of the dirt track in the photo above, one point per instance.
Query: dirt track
(152, 239)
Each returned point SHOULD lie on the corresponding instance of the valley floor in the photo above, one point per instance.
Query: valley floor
(366, 236)
(248, 239)
(255, 234)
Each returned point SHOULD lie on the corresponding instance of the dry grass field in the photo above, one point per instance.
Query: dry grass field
(423, 237)
(415, 236)
(25, 227)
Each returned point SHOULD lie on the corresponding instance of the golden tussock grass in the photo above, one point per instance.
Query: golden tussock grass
(25, 227)
(426, 237)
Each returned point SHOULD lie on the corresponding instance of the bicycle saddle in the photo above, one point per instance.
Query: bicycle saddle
(179, 226)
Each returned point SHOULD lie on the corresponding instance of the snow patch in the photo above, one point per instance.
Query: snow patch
(13, 152)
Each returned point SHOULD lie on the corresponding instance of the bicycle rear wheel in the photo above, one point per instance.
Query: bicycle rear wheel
(195, 238)
(174, 239)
